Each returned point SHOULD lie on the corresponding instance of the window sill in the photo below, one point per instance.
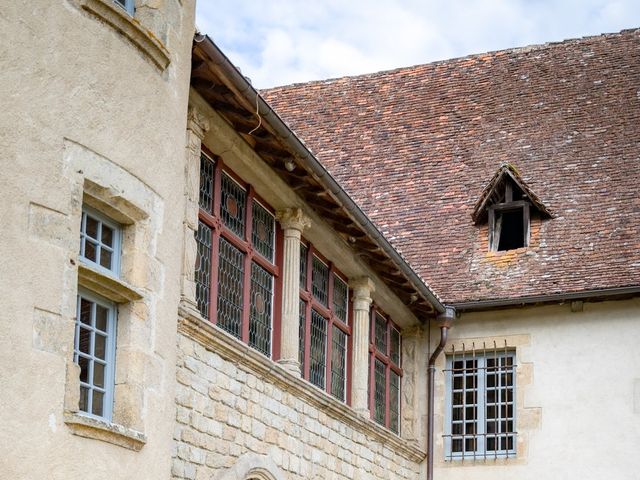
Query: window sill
(89, 427)
(230, 348)
(106, 285)
(131, 28)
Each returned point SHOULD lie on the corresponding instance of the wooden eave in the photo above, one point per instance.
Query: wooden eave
(211, 82)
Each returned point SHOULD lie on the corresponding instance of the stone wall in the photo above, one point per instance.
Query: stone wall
(237, 410)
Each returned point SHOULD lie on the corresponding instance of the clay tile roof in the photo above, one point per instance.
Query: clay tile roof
(416, 146)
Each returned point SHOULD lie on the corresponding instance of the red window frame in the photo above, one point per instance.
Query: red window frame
(329, 314)
(245, 245)
(375, 353)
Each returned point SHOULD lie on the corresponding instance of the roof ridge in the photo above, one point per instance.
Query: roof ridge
(522, 49)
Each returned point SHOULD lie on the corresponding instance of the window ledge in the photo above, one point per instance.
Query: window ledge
(230, 348)
(97, 429)
(103, 284)
(131, 28)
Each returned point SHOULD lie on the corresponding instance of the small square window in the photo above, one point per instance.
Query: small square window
(100, 240)
(94, 351)
(128, 5)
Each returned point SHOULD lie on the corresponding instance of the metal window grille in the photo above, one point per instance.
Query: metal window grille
(394, 402)
(320, 281)
(480, 403)
(261, 309)
(303, 266)
(301, 336)
(340, 298)
(338, 363)
(207, 174)
(318, 350)
(233, 205)
(94, 352)
(379, 392)
(100, 241)
(380, 333)
(263, 231)
(203, 268)
(230, 288)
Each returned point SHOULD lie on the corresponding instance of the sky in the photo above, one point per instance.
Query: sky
(278, 42)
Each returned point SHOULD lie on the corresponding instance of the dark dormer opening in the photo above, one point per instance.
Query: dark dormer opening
(506, 205)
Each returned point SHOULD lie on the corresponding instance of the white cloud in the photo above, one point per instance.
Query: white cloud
(284, 41)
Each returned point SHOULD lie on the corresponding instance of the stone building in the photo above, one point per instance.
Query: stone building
(198, 292)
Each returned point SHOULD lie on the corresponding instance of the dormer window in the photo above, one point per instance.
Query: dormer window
(507, 204)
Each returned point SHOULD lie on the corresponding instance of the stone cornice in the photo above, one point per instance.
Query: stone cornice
(85, 426)
(233, 350)
(109, 287)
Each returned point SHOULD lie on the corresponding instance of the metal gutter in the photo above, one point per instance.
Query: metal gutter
(553, 298)
(285, 135)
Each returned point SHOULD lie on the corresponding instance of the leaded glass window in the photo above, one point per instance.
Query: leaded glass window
(235, 270)
(386, 374)
(94, 352)
(480, 404)
(324, 327)
(100, 241)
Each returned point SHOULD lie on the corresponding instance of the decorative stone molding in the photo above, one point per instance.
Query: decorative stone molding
(105, 285)
(97, 429)
(293, 219)
(362, 287)
(197, 122)
(245, 357)
(252, 466)
(142, 38)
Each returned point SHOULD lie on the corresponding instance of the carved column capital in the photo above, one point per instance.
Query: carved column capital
(362, 288)
(293, 219)
(197, 122)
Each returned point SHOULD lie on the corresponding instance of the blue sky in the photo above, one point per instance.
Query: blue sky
(278, 42)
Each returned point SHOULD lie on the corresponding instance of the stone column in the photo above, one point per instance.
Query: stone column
(293, 222)
(362, 289)
(197, 126)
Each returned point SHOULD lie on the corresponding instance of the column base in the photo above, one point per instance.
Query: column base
(291, 366)
(365, 412)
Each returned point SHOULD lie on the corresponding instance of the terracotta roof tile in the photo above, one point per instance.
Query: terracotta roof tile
(415, 147)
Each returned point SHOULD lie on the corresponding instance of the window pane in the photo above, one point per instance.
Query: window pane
(100, 347)
(232, 205)
(203, 268)
(84, 341)
(320, 281)
(207, 169)
(263, 231)
(84, 369)
(92, 226)
(96, 404)
(102, 315)
(84, 399)
(394, 402)
(380, 391)
(380, 333)
(340, 298)
(85, 311)
(105, 258)
(394, 346)
(261, 311)
(303, 266)
(98, 374)
(338, 363)
(90, 250)
(303, 326)
(318, 351)
(230, 288)
(107, 235)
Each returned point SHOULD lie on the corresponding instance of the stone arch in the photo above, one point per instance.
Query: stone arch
(252, 466)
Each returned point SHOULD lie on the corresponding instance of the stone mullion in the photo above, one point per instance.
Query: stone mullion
(362, 289)
(293, 222)
(197, 125)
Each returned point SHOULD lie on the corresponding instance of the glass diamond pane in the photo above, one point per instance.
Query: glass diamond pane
(230, 288)
(394, 346)
(263, 231)
(302, 320)
(340, 298)
(203, 268)
(338, 363)
(303, 266)
(232, 205)
(320, 280)
(261, 309)
(318, 350)
(394, 402)
(379, 394)
(380, 333)
(207, 171)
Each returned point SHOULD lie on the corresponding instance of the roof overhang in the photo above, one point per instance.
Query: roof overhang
(220, 83)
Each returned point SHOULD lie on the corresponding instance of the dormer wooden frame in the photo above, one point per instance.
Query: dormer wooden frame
(509, 205)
